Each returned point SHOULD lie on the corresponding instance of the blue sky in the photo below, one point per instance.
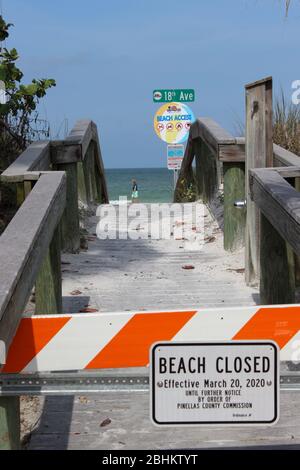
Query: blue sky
(107, 56)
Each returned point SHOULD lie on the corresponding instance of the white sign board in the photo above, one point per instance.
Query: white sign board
(174, 163)
(224, 383)
(175, 155)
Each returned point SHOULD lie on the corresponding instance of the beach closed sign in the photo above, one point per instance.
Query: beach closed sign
(214, 383)
(172, 122)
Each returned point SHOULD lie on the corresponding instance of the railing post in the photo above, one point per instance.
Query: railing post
(48, 289)
(277, 278)
(20, 194)
(199, 169)
(93, 173)
(234, 218)
(259, 154)
(296, 257)
(206, 172)
(87, 186)
(9, 423)
(82, 189)
(70, 231)
(65, 157)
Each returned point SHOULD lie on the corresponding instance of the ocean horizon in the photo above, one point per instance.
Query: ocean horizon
(154, 184)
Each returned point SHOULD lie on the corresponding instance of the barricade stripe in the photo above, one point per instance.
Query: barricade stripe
(123, 339)
(79, 341)
(130, 347)
(30, 339)
(278, 324)
(213, 324)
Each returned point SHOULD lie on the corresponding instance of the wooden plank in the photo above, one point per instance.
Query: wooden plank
(232, 153)
(70, 230)
(82, 190)
(81, 134)
(22, 248)
(262, 81)
(65, 152)
(35, 158)
(234, 218)
(279, 202)
(283, 157)
(93, 173)
(100, 165)
(277, 270)
(199, 173)
(211, 132)
(87, 175)
(20, 194)
(209, 173)
(185, 171)
(48, 290)
(9, 423)
(27, 188)
(288, 171)
(73, 423)
(259, 153)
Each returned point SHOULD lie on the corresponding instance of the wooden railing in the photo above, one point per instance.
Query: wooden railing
(220, 157)
(268, 225)
(279, 205)
(51, 179)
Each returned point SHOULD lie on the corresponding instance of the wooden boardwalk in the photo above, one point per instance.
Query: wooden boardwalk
(114, 275)
(145, 274)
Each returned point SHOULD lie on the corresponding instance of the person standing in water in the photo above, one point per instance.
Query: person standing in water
(135, 191)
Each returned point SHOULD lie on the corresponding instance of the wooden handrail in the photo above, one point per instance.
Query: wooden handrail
(221, 143)
(278, 201)
(40, 155)
(279, 235)
(23, 245)
(34, 159)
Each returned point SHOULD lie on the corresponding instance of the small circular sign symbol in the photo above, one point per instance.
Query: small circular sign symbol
(157, 95)
(169, 127)
(160, 127)
(179, 126)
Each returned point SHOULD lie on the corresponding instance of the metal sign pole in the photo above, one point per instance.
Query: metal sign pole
(175, 178)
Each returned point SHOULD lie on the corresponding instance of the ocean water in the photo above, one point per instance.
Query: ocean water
(154, 184)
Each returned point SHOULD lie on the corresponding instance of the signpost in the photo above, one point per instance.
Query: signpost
(172, 123)
(167, 96)
(227, 383)
(175, 153)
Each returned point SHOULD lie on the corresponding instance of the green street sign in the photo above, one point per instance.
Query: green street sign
(167, 96)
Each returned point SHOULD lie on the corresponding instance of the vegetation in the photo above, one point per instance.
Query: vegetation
(286, 126)
(186, 190)
(19, 119)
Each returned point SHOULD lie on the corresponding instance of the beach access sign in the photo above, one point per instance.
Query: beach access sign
(172, 122)
(179, 95)
(175, 154)
(221, 383)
